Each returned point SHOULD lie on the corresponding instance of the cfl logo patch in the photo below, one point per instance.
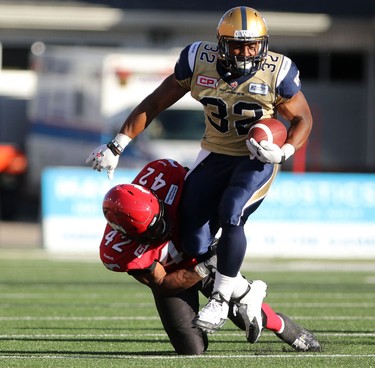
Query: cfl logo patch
(258, 89)
(206, 81)
(171, 194)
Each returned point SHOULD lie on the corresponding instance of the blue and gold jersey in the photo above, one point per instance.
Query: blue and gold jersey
(231, 106)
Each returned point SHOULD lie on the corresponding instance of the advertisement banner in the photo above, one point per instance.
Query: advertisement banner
(304, 215)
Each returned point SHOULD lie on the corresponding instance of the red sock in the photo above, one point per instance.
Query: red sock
(273, 321)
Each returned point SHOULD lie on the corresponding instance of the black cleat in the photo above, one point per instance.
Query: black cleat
(297, 337)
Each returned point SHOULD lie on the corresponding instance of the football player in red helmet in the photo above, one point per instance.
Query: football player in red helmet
(238, 82)
(135, 212)
(142, 238)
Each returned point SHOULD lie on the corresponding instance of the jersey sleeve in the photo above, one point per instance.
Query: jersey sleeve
(288, 82)
(185, 64)
(120, 254)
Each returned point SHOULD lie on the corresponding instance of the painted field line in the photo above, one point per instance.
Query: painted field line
(142, 334)
(154, 318)
(363, 305)
(323, 295)
(163, 357)
(91, 295)
(325, 305)
(93, 318)
(335, 318)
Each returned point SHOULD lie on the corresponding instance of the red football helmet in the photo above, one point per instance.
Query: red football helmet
(136, 212)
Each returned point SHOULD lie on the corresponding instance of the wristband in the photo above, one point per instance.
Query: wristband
(118, 144)
(288, 150)
(202, 270)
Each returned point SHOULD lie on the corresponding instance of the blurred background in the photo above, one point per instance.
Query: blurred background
(70, 72)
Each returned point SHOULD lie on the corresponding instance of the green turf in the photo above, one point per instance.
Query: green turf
(63, 313)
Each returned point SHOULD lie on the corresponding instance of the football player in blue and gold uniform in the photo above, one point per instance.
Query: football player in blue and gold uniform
(238, 81)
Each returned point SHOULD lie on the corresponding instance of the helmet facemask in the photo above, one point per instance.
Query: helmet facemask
(240, 65)
(238, 27)
(157, 231)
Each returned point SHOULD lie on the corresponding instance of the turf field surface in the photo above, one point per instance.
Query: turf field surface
(72, 312)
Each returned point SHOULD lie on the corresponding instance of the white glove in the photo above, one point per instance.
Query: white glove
(104, 157)
(268, 152)
(208, 266)
(203, 269)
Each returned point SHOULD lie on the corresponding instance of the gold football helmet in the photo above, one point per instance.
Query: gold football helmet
(242, 25)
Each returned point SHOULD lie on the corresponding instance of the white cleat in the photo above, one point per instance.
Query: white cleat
(249, 306)
(213, 316)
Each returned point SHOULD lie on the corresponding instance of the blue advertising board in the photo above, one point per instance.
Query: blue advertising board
(321, 197)
(78, 192)
(323, 214)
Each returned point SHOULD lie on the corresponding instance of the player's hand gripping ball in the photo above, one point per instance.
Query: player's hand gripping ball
(266, 141)
(270, 130)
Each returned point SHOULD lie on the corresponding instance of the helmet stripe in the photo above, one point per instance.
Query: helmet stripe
(244, 17)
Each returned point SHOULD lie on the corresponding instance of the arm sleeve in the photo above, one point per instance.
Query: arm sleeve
(288, 82)
(143, 270)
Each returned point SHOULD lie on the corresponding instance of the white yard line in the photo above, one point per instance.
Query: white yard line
(162, 357)
(152, 318)
(93, 318)
(141, 334)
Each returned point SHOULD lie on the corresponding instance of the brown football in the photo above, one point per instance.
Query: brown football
(271, 130)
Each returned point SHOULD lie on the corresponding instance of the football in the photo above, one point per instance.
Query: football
(271, 130)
